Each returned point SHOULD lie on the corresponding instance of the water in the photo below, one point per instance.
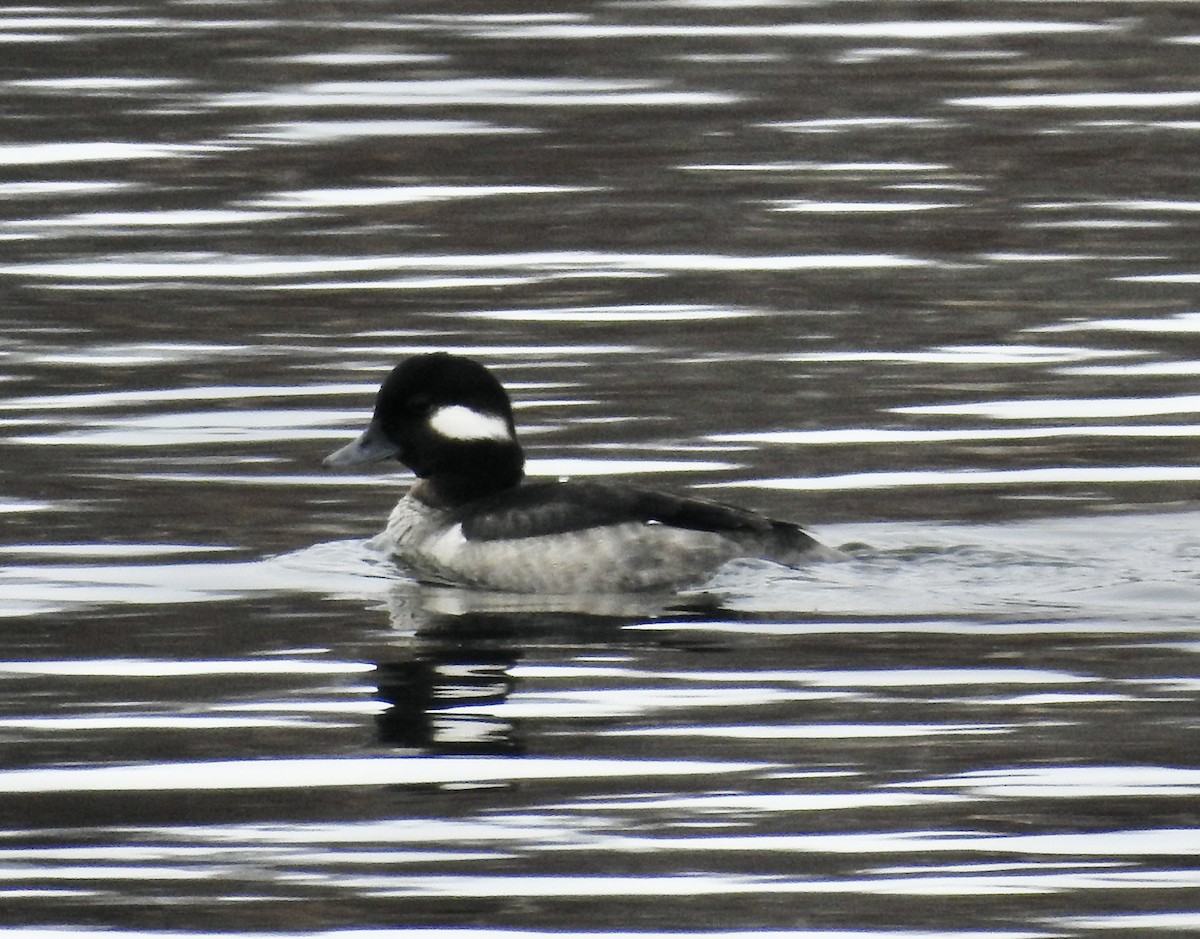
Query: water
(920, 276)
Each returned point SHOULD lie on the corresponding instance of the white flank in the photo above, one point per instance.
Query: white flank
(446, 548)
(459, 422)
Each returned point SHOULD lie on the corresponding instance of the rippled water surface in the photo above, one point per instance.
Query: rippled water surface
(919, 275)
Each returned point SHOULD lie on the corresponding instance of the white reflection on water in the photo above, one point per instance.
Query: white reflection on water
(182, 429)
(1092, 99)
(828, 125)
(128, 853)
(632, 314)
(295, 132)
(815, 731)
(913, 677)
(1174, 323)
(204, 265)
(1160, 279)
(309, 707)
(975, 477)
(791, 166)
(737, 802)
(618, 702)
(982, 883)
(897, 29)
(868, 435)
(10, 504)
(948, 627)
(1107, 844)
(1048, 257)
(525, 92)
(1176, 923)
(967, 355)
(1070, 782)
(62, 187)
(117, 399)
(816, 207)
(344, 772)
(400, 195)
(579, 466)
(102, 84)
(444, 282)
(96, 152)
(1098, 223)
(106, 872)
(1059, 409)
(30, 37)
(132, 353)
(1164, 369)
(361, 58)
(176, 668)
(180, 722)
(152, 218)
(1131, 205)
(43, 18)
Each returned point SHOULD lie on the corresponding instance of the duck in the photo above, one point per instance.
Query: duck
(473, 519)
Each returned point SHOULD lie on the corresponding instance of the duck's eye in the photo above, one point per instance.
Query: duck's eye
(419, 404)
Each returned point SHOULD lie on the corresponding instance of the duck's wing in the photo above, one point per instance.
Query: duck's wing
(555, 507)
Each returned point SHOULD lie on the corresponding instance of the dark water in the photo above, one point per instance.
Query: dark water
(921, 275)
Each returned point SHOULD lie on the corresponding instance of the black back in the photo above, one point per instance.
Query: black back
(555, 507)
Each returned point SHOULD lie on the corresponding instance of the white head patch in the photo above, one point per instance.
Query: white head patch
(459, 422)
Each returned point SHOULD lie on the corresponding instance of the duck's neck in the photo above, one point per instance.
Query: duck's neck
(486, 470)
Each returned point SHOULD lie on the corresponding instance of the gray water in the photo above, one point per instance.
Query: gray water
(917, 275)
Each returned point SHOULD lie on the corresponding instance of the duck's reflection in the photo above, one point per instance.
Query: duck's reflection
(432, 701)
(461, 647)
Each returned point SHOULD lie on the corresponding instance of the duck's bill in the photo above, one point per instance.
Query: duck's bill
(371, 446)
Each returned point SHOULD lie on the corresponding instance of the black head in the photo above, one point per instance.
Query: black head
(449, 420)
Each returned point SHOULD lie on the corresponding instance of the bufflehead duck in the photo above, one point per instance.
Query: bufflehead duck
(473, 520)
